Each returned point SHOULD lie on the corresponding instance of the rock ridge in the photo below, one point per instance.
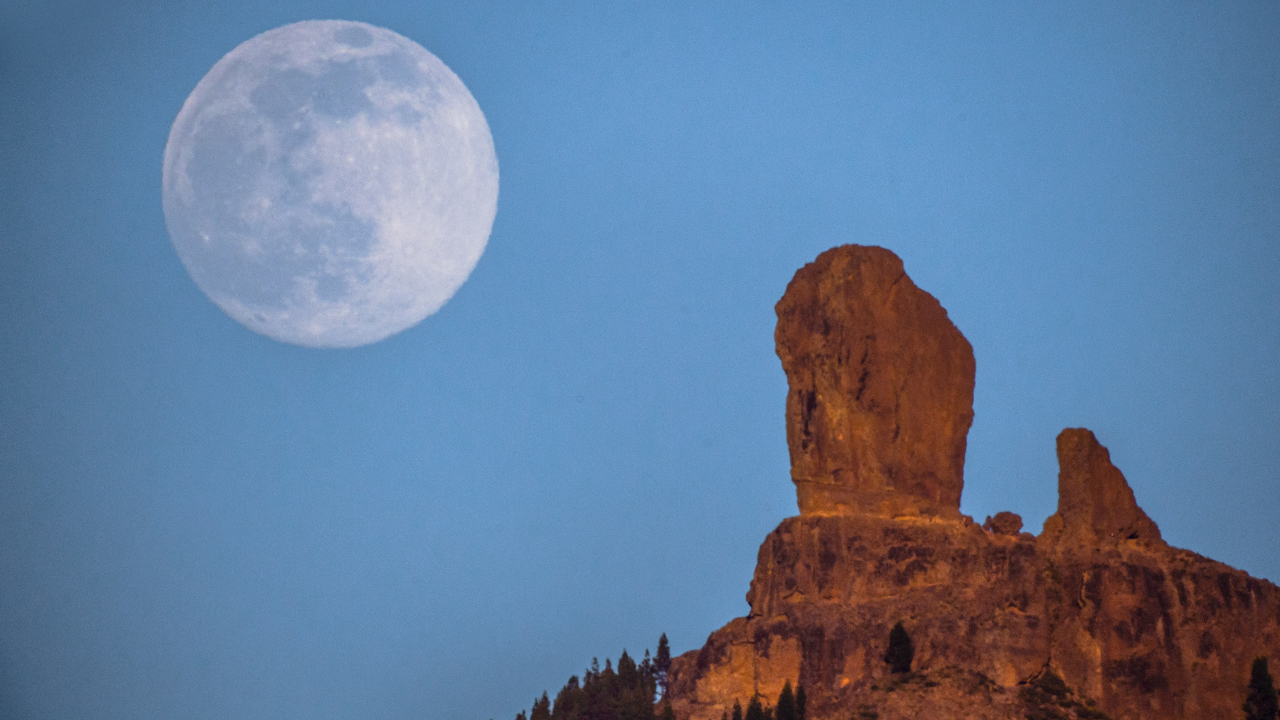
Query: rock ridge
(1097, 617)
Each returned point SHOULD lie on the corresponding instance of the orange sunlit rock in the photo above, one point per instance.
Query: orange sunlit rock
(881, 388)
(1096, 615)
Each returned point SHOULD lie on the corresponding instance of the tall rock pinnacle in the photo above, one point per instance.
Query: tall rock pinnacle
(1096, 508)
(881, 389)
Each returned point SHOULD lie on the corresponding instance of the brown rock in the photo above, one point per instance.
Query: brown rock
(1145, 631)
(881, 388)
(1095, 505)
(1096, 618)
(829, 588)
(1004, 523)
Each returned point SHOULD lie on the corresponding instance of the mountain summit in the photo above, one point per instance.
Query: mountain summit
(1097, 617)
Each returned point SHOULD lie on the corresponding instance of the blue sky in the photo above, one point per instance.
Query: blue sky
(585, 447)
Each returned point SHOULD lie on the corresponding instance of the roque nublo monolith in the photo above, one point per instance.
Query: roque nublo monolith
(1097, 617)
(881, 394)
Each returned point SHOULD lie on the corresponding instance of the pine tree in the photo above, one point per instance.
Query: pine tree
(597, 700)
(541, 708)
(568, 700)
(737, 710)
(662, 663)
(633, 694)
(1261, 702)
(755, 711)
(800, 702)
(901, 651)
(786, 707)
(627, 671)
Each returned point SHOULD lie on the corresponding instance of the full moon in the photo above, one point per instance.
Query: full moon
(330, 183)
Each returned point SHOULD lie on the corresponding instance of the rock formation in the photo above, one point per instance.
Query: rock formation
(1095, 504)
(1095, 618)
(1004, 523)
(881, 392)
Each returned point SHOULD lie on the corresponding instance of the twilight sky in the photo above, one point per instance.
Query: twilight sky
(585, 447)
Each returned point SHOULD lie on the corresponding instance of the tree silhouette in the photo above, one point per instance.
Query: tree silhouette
(1261, 702)
(662, 663)
(624, 693)
(737, 710)
(541, 709)
(786, 707)
(800, 702)
(568, 700)
(901, 651)
(755, 711)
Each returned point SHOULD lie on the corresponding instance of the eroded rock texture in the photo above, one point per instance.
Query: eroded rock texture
(1097, 617)
(1145, 630)
(881, 392)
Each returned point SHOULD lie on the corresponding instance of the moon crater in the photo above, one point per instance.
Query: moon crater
(330, 183)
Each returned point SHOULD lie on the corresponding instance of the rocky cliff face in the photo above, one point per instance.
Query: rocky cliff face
(1096, 617)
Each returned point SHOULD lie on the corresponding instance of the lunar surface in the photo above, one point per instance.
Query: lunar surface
(330, 183)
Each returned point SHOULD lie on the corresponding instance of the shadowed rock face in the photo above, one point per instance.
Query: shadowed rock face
(881, 388)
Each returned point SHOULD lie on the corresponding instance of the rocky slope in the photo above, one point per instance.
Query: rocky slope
(1096, 617)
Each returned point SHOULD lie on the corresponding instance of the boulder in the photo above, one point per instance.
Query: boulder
(1004, 523)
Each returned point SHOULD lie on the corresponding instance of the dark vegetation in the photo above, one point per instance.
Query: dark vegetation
(639, 692)
(1261, 703)
(1048, 697)
(790, 706)
(626, 693)
(901, 651)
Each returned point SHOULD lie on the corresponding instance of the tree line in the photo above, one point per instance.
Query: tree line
(626, 693)
(639, 691)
